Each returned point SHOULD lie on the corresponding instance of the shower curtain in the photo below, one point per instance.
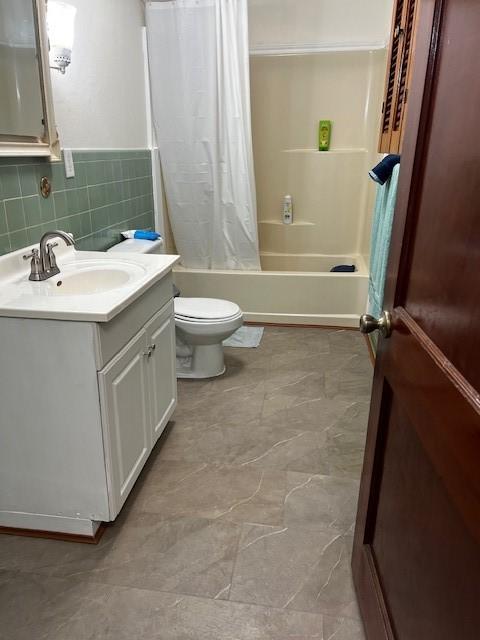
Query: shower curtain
(198, 61)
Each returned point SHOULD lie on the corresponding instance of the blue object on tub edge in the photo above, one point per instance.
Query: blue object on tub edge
(343, 268)
(142, 234)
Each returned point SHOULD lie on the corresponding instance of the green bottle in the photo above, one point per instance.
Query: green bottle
(324, 135)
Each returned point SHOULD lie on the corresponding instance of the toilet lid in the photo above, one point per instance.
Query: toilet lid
(205, 308)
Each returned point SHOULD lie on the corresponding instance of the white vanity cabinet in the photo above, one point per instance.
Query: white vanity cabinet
(82, 404)
(137, 396)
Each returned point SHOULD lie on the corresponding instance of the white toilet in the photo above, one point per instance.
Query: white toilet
(201, 324)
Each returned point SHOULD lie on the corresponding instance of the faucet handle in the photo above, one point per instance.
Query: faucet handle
(52, 260)
(34, 254)
(35, 265)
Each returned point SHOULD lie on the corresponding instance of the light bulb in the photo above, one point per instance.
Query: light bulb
(60, 26)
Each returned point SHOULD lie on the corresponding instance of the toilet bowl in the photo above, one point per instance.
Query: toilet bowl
(201, 324)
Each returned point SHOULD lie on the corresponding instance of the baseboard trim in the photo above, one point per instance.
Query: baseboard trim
(252, 323)
(56, 535)
(343, 321)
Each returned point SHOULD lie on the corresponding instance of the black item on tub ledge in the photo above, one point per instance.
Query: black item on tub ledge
(343, 268)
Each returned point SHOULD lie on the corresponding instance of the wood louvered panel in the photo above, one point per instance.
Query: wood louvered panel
(392, 72)
(404, 76)
(398, 73)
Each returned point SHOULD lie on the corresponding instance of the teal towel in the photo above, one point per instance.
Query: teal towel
(380, 245)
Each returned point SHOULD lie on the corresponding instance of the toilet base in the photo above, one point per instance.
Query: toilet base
(206, 361)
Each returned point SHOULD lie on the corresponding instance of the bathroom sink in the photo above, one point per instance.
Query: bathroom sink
(87, 278)
(89, 282)
(91, 286)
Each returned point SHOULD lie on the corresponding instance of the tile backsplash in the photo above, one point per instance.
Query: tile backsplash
(111, 192)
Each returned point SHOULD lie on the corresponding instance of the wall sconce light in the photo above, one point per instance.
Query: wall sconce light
(60, 26)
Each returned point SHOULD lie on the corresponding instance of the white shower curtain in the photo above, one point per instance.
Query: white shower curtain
(198, 59)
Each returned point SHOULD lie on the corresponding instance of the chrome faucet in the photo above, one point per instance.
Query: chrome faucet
(43, 262)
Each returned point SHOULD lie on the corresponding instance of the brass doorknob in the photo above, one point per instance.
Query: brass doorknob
(383, 324)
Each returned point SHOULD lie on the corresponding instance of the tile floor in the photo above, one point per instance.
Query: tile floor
(240, 527)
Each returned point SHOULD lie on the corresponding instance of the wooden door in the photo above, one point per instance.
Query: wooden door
(161, 365)
(416, 559)
(126, 419)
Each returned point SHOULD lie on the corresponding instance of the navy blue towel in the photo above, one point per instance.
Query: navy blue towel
(343, 268)
(382, 172)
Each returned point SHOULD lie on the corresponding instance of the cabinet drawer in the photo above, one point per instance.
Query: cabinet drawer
(112, 336)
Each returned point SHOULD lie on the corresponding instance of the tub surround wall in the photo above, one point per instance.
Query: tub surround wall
(331, 192)
(111, 191)
(287, 22)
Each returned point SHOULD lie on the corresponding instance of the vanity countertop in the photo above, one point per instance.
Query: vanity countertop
(92, 286)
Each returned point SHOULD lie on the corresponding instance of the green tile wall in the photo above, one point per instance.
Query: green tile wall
(111, 191)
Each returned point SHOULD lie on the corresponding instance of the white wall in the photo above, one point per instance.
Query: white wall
(100, 101)
(318, 21)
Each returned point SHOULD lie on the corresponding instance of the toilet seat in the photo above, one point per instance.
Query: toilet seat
(206, 310)
(204, 321)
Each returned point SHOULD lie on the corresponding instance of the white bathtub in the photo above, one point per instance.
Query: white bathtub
(291, 289)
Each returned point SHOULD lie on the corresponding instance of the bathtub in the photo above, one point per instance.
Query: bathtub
(290, 289)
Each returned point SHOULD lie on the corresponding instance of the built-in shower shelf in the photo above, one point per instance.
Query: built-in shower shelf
(314, 48)
(282, 224)
(332, 152)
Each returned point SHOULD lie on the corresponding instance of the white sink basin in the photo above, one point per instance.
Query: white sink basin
(86, 278)
(89, 282)
(91, 286)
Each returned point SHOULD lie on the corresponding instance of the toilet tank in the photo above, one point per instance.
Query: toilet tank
(133, 245)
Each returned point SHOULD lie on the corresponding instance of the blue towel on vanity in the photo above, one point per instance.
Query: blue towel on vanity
(380, 244)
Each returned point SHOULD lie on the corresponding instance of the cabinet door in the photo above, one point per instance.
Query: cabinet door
(161, 364)
(126, 420)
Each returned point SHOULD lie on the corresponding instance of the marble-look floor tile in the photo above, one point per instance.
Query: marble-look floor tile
(217, 492)
(315, 414)
(292, 568)
(315, 362)
(321, 502)
(331, 443)
(57, 609)
(232, 406)
(347, 341)
(252, 445)
(187, 556)
(351, 381)
(341, 446)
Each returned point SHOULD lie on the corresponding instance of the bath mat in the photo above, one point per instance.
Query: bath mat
(245, 337)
